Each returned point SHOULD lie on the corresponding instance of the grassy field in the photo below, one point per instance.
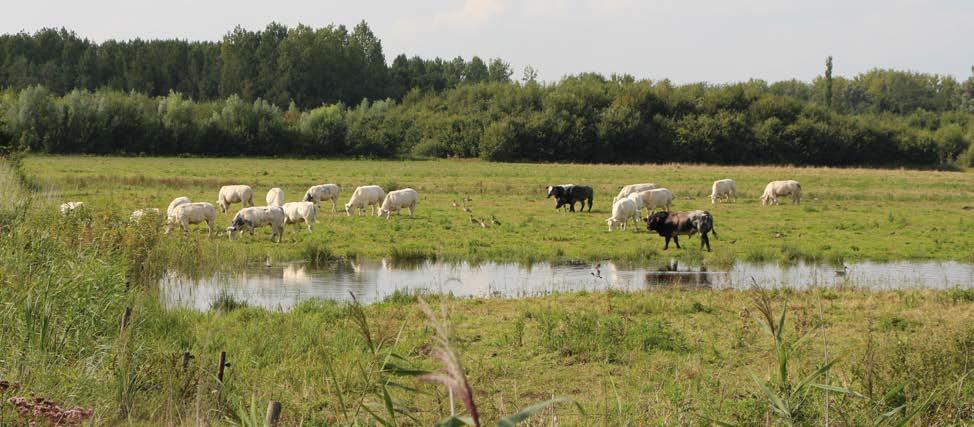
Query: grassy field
(846, 214)
(660, 356)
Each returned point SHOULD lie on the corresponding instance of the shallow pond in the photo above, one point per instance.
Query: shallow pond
(280, 287)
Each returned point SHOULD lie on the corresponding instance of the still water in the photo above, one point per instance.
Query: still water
(280, 287)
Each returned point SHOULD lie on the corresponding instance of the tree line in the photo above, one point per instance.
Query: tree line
(329, 92)
(304, 65)
(585, 118)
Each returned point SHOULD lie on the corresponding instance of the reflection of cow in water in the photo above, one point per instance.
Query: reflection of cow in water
(569, 194)
(671, 275)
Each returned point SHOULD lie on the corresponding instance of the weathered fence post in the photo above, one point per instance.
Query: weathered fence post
(125, 320)
(273, 413)
(186, 358)
(219, 369)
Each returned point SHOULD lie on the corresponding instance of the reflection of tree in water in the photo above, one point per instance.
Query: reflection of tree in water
(671, 275)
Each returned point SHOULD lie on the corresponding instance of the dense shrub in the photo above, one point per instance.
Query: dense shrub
(582, 119)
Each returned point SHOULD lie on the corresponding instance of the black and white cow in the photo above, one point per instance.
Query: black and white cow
(570, 194)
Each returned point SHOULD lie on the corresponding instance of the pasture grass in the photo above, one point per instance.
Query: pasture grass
(661, 356)
(846, 214)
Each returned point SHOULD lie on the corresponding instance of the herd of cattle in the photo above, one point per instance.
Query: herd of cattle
(626, 207)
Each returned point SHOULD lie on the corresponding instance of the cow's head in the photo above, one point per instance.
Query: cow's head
(555, 190)
(308, 197)
(656, 220)
(238, 223)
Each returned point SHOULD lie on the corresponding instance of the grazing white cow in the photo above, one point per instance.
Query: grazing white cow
(176, 202)
(296, 212)
(776, 189)
(396, 200)
(323, 192)
(230, 194)
(659, 198)
(247, 219)
(723, 189)
(275, 197)
(366, 195)
(137, 215)
(192, 213)
(622, 211)
(69, 207)
(633, 188)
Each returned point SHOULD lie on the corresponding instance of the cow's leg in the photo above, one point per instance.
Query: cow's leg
(704, 240)
(676, 239)
(334, 207)
(667, 245)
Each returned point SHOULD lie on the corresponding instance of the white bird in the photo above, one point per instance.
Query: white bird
(842, 272)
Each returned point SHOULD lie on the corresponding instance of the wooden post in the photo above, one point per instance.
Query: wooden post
(223, 364)
(186, 358)
(125, 319)
(273, 413)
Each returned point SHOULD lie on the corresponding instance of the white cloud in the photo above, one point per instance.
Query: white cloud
(473, 13)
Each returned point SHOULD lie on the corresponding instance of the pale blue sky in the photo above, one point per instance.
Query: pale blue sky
(684, 40)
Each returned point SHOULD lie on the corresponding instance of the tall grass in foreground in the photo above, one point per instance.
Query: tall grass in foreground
(789, 398)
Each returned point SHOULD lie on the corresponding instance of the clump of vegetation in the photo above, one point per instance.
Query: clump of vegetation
(225, 303)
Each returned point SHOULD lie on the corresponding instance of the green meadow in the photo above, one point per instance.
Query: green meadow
(845, 215)
(660, 356)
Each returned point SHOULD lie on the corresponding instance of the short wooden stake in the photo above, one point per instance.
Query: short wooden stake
(223, 364)
(186, 358)
(125, 320)
(273, 413)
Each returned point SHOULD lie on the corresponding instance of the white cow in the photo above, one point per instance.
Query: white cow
(723, 189)
(296, 212)
(323, 192)
(176, 202)
(247, 219)
(622, 211)
(230, 194)
(137, 215)
(69, 207)
(776, 189)
(396, 200)
(633, 188)
(366, 195)
(659, 198)
(192, 213)
(275, 197)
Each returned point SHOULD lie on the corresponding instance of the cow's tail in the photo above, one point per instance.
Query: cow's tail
(713, 228)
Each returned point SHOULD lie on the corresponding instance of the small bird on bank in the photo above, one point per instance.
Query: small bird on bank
(493, 220)
(466, 209)
(841, 273)
(454, 204)
(482, 223)
(468, 199)
(472, 220)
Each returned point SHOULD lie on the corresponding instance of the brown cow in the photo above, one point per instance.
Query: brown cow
(672, 224)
